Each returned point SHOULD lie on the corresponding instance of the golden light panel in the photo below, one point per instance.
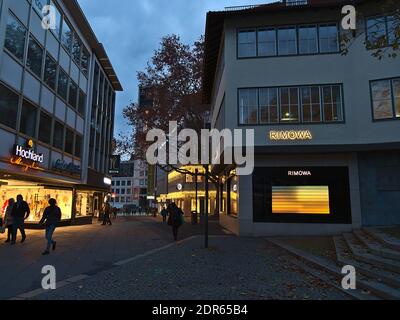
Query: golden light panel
(300, 200)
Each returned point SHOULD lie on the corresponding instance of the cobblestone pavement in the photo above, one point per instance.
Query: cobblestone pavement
(233, 268)
(82, 249)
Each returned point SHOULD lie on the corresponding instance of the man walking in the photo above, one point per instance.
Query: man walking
(51, 218)
(19, 214)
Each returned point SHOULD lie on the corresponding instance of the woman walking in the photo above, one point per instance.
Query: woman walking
(8, 219)
(175, 219)
(51, 218)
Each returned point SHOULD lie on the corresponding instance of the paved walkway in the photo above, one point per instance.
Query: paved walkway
(233, 268)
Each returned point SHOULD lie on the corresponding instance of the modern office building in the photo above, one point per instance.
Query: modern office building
(129, 186)
(57, 104)
(327, 125)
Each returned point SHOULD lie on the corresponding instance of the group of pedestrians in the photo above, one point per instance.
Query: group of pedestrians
(18, 211)
(175, 217)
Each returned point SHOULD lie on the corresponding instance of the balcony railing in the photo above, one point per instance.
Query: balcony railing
(287, 2)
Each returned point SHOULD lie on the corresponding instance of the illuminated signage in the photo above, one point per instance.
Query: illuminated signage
(290, 135)
(107, 181)
(179, 187)
(26, 157)
(299, 173)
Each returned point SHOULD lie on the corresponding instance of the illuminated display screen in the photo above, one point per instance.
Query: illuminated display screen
(300, 200)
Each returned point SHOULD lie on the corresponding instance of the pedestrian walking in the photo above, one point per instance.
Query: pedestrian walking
(115, 212)
(8, 219)
(175, 219)
(164, 214)
(51, 218)
(19, 214)
(107, 214)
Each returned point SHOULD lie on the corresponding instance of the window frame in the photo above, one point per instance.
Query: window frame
(31, 37)
(367, 18)
(394, 118)
(21, 61)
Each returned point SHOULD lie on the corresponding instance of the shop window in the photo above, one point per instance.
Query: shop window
(84, 204)
(35, 57)
(332, 103)
(268, 105)
(328, 38)
(45, 128)
(50, 71)
(15, 37)
(78, 146)
(247, 45)
(308, 40)
(289, 104)
(69, 141)
(248, 106)
(28, 119)
(66, 36)
(266, 42)
(73, 94)
(62, 84)
(287, 43)
(8, 107)
(311, 104)
(58, 136)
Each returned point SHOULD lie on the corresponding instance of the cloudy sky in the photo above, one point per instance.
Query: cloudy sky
(131, 30)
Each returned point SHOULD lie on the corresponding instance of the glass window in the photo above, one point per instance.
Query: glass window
(69, 141)
(82, 102)
(62, 84)
(118, 183)
(39, 5)
(8, 107)
(28, 119)
(78, 146)
(76, 49)
(129, 183)
(35, 57)
(58, 136)
(289, 104)
(123, 183)
(248, 106)
(85, 60)
(396, 94)
(332, 99)
(15, 37)
(266, 42)
(268, 105)
(328, 38)
(308, 42)
(311, 104)
(287, 43)
(66, 36)
(247, 43)
(376, 32)
(57, 30)
(50, 71)
(73, 94)
(393, 26)
(45, 128)
(382, 99)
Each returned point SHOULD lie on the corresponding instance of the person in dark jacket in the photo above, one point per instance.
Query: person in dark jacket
(19, 214)
(175, 219)
(8, 220)
(51, 218)
(107, 214)
(164, 214)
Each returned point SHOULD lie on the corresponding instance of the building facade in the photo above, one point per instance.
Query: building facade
(327, 125)
(57, 98)
(129, 186)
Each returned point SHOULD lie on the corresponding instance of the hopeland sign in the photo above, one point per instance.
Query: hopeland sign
(290, 135)
(25, 157)
(66, 168)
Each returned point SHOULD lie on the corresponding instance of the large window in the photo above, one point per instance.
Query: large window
(305, 104)
(69, 141)
(76, 49)
(73, 94)
(328, 38)
(57, 30)
(247, 46)
(85, 60)
(82, 102)
(58, 136)
(8, 107)
(15, 37)
(267, 42)
(50, 71)
(248, 106)
(386, 99)
(287, 43)
(381, 31)
(35, 57)
(308, 40)
(78, 146)
(66, 36)
(39, 5)
(45, 128)
(62, 84)
(28, 119)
